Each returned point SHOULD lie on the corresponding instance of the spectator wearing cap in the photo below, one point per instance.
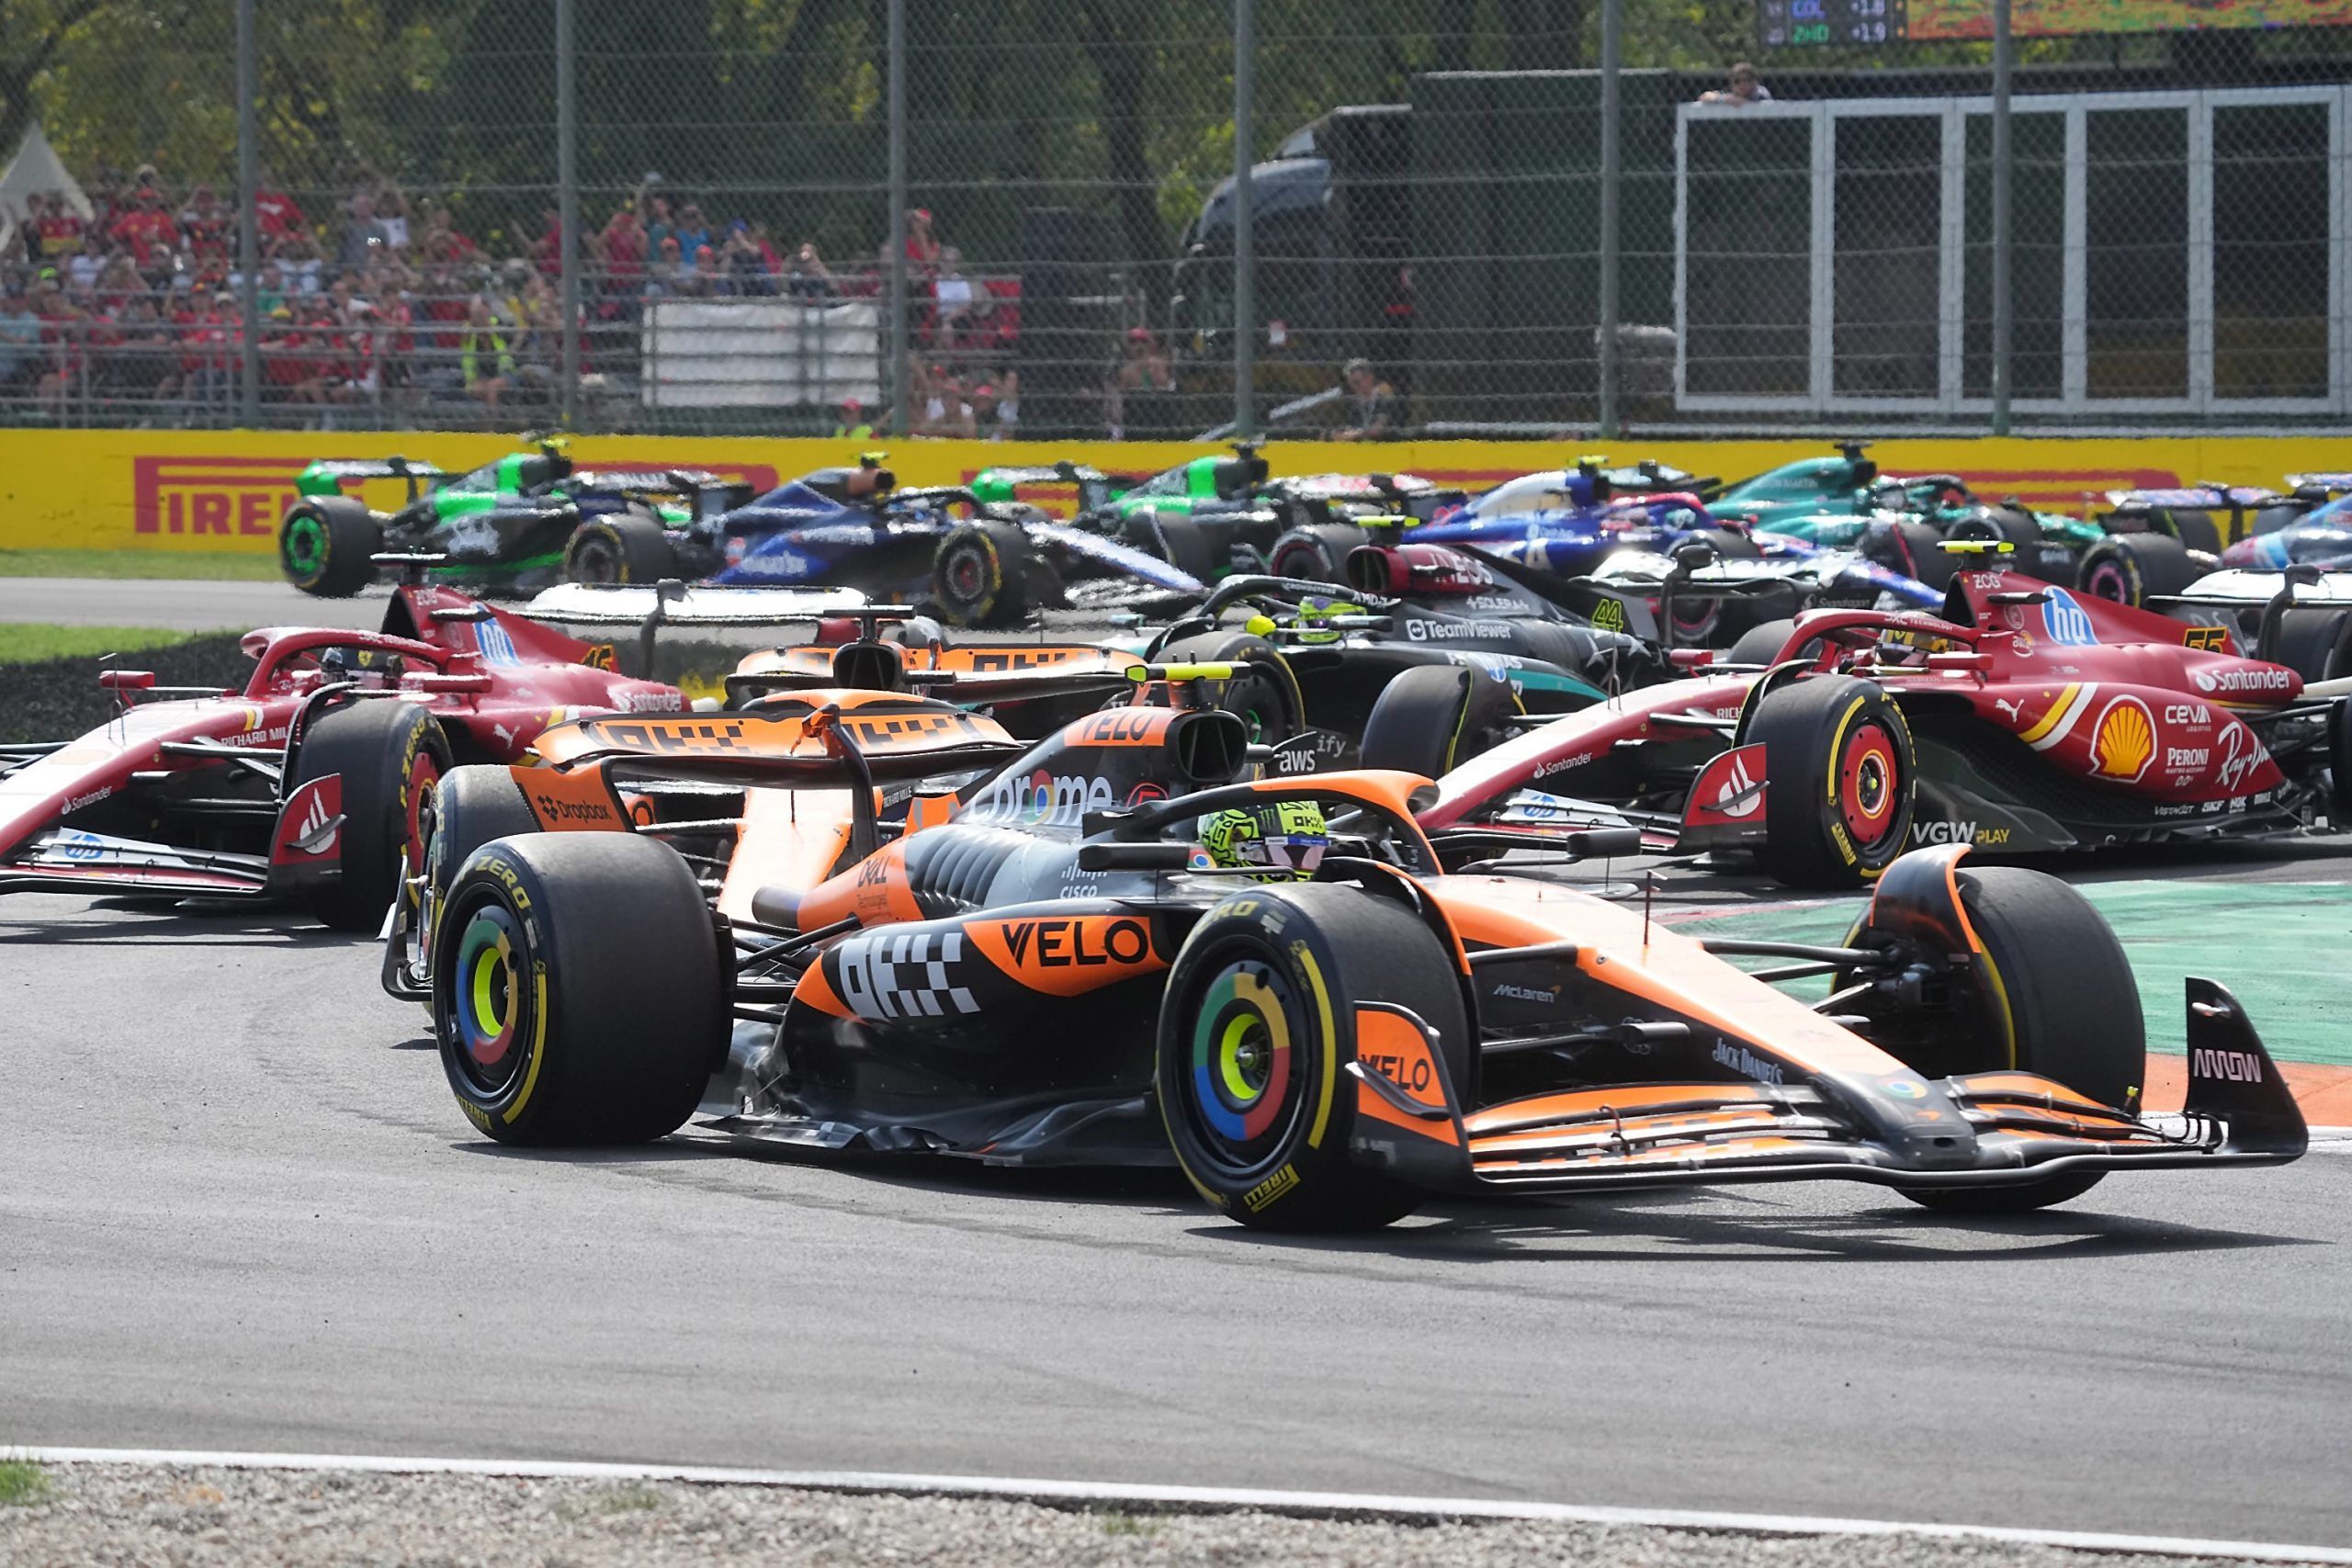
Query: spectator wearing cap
(987, 417)
(667, 267)
(147, 231)
(852, 425)
(1143, 366)
(1747, 87)
(1379, 415)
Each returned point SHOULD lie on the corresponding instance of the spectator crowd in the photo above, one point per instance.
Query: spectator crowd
(134, 313)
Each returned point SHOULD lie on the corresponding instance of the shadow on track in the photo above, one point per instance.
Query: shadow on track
(152, 923)
(1694, 1224)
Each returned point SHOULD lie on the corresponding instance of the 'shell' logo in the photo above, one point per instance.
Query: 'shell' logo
(211, 495)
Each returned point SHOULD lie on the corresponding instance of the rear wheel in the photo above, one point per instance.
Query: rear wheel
(1914, 550)
(619, 547)
(1433, 717)
(2312, 640)
(2132, 568)
(1761, 643)
(1840, 781)
(1266, 697)
(2051, 994)
(2001, 524)
(577, 989)
(1318, 551)
(1178, 541)
(391, 757)
(2191, 526)
(980, 574)
(324, 546)
(1257, 1028)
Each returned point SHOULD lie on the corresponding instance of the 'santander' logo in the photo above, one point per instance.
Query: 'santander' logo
(211, 495)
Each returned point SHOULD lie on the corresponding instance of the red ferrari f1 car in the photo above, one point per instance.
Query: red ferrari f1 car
(315, 779)
(887, 926)
(2023, 718)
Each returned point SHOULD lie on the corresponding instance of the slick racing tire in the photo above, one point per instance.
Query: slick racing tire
(1761, 643)
(1257, 1028)
(2132, 568)
(324, 544)
(474, 805)
(1176, 539)
(1433, 717)
(2193, 526)
(577, 990)
(1914, 550)
(619, 547)
(2312, 640)
(2051, 993)
(1609, 660)
(1317, 552)
(1267, 698)
(1841, 777)
(980, 574)
(2001, 524)
(391, 757)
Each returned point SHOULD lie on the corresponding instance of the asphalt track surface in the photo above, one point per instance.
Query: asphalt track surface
(241, 1213)
(182, 606)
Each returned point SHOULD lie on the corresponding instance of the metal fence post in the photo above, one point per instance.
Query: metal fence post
(248, 219)
(1613, 44)
(894, 335)
(566, 197)
(2004, 317)
(1244, 259)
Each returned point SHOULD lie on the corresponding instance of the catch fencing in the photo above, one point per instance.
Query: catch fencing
(875, 218)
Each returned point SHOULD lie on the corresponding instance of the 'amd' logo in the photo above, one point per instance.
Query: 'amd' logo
(2238, 1066)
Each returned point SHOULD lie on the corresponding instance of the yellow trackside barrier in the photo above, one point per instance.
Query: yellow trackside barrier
(132, 490)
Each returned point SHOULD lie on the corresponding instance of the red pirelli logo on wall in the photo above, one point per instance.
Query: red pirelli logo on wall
(211, 495)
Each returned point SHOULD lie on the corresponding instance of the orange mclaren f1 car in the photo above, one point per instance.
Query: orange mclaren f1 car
(867, 919)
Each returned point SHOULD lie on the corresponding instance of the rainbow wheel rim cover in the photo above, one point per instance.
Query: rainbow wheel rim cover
(1241, 1056)
(489, 999)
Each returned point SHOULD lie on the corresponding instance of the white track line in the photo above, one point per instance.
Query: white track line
(1324, 1505)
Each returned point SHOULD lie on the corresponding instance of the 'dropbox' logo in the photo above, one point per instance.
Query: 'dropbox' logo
(211, 495)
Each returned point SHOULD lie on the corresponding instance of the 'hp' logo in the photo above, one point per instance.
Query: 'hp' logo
(2066, 621)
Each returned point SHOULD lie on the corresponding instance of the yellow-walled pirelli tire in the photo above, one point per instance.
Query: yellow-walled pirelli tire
(577, 990)
(326, 545)
(981, 574)
(474, 805)
(389, 757)
(1841, 778)
(1266, 696)
(619, 547)
(2048, 991)
(1257, 1029)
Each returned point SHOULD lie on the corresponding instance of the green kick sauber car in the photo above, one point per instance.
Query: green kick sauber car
(504, 527)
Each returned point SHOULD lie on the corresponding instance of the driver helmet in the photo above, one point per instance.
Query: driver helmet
(1280, 841)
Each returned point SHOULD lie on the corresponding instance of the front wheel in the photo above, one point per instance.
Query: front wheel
(1433, 717)
(1258, 1027)
(1840, 781)
(389, 758)
(2048, 991)
(474, 805)
(577, 990)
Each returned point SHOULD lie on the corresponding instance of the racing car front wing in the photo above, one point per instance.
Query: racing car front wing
(2002, 1128)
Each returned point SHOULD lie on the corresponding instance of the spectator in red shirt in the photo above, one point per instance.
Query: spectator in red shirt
(208, 226)
(274, 213)
(442, 240)
(922, 245)
(149, 231)
(56, 228)
(624, 241)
